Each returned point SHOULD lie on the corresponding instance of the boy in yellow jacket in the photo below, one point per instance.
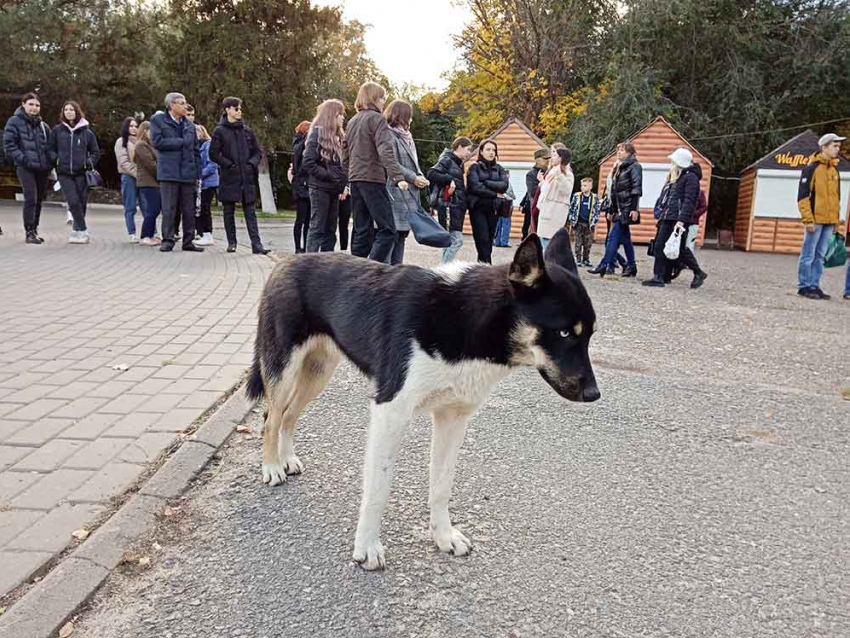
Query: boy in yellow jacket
(818, 200)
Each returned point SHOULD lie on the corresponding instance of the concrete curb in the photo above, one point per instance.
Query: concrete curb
(52, 601)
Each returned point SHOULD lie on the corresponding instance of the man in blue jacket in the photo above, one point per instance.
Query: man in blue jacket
(178, 168)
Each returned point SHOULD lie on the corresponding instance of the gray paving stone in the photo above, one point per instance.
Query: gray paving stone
(90, 363)
(18, 567)
(39, 432)
(36, 409)
(126, 404)
(152, 386)
(73, 390)
(50, 490)
(49, 456)
(8, 428)
(13, 483)
(30, 394)
(200, 400)
(96, 454)
(160, 403)
(80, 408)
(90, 427)
(20, 381)
(173, 477)
(201, 372)
(185, 387)
(112, 389)
(10, 455)
(107, 483)
(148, 447)
(175, 420)
(53, 532)
(101, 373)
(137, 373)
(63, 378)
(13, 522)
(133, 425)
(171, 372)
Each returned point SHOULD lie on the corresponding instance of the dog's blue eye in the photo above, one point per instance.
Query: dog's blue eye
(564, 333)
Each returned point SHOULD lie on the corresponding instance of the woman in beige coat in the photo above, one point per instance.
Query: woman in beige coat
(555, 193)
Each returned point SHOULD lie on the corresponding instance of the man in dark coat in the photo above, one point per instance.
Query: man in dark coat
(178, 168)
(532, 180)
(27, 142)
(236, 151)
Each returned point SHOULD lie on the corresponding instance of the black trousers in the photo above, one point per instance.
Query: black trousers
(250, 213)
(371, 203)
(526, 221)
(76, 190)
(443, 215)
(484, 220)
(34, 185)
(663, 266)
(398, 250)
(344, 220)
(324, 214)
(204, 223)
(302, 223)
(178, 202)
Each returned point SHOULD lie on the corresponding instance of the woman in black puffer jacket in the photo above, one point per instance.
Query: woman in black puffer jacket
(300, 188)
(486, 186)
(677, 214)
(75, 147)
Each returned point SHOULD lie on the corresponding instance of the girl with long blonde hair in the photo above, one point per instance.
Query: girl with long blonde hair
(327, 177)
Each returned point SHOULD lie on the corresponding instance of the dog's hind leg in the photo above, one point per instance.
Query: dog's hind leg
(316, 369)
(278, 394)
(386, 429)
(447, 436)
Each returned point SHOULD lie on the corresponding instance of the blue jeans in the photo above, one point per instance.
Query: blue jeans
(620, 234)
(810, 266)
(847, 280)
(131, 202)
(151, 208)
(503, 232)
(544, 242)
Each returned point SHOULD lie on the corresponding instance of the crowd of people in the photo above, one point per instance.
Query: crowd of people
(368, 171)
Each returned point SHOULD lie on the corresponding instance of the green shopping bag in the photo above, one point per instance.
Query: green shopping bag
(836, 254)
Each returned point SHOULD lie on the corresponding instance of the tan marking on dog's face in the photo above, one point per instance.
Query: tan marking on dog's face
(525, 337)
(578, 329)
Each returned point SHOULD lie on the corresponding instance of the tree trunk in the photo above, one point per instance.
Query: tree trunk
(266, 191)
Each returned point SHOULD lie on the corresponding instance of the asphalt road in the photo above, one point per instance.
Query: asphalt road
(706, 494)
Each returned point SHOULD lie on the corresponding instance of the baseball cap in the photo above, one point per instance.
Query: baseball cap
(829, 138)
(543, 153)
(681, 157)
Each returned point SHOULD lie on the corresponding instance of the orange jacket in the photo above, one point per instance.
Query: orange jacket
(819, 194)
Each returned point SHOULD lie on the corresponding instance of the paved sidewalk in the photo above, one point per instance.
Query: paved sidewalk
(109, 352)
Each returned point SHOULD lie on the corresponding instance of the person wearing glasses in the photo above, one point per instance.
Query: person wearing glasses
(178, 168)
(235, 149)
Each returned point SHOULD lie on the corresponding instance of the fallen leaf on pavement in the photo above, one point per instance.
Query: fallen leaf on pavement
(845, 392)
(67, 630)
(157, 546)
(123, 367)
(81, 534)
(168, 510)
(144, 561)
(244, 429)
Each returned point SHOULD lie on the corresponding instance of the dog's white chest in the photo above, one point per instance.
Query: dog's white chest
(436, 383)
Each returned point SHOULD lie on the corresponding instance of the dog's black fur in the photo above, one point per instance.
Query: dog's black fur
(373, 313)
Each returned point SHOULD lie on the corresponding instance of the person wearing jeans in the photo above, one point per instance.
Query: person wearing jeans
(847, 278)
(368, 154)
(178, 168)
(322, 164)
(144, 156)
(235, 149)
(27, 142)
(447, 176)
(625, 193)
(818, 200)
(209, 188)
(124, 147)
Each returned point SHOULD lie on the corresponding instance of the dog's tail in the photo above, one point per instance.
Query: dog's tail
(255, 388)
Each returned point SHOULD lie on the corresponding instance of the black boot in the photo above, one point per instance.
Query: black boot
(231, 248)
(655, 282)
(32, 238)
(259, 250)
(699, 279)
(630, 271)
(600, 270)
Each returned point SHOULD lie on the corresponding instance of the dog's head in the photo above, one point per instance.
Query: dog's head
(555, 319)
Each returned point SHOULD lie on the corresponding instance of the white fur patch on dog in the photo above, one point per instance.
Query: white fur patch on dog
(453, 270)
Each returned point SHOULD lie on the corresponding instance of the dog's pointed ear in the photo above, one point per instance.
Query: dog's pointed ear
(527, 268)
(560, 251)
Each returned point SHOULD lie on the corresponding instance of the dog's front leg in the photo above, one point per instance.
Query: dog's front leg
(387, 427)
(446, 439)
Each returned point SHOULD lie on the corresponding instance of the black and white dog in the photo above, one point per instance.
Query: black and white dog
(433, 341)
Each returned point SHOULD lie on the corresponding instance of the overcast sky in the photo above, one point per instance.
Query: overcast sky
(409, 40)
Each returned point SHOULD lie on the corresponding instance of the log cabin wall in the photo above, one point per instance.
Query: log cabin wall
(653, 144)
(744, 210)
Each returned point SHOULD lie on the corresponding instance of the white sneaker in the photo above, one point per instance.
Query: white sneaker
(205, 240)
(74, 237)
(84, 236)
(132, 239)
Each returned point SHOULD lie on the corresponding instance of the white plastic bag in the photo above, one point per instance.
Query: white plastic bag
(671, 248)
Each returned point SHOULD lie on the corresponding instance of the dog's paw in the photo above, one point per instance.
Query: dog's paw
(273, 474)
(293, 465)
(453, 542)
(370, 556)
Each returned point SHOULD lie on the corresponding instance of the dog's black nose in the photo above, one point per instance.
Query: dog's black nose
(589, 395)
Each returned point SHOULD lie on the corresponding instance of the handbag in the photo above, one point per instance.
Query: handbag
(671, 248)
(650, 249)
(93, 178)
(505, 208)
(836, 252)
(426, 229)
